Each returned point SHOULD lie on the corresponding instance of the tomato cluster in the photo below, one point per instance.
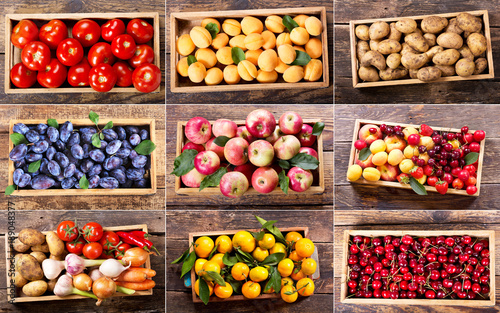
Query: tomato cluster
(49, 56)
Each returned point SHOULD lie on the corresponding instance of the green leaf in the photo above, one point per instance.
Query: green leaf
(191, 59)
(318, 128)
(236, 286)
(284, 164)
(268, 224)
(364, 154)
(417, 187)
(301, 58)
(84, 183)
(214, 249)
(229, 260)
(213, 180)
(272, 229)
(96, 141)
(101, 136)
(289, 23)
(53, 123)
(221, 141)
(246, 257)
(18, 139)
(471, 158)
(33, 167)
(284, 182)
(258, 235)
(145, 147)
(239, 258)
(188, 263)
(304, 161)
(273, 259)
(269, 283)
(184, 163)
(94, 117)
(10, 189)
(204, 291)
(181, 258)
(217, 278)
(109, 125)
(213, 29)
(237, 54)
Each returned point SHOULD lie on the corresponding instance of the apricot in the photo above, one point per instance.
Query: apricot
(287, 53)
(224, 56)
(238, 41)
(406, 165)
(410, 151)
(197, 72)
(283, 39)
(269, 40)
(250, 25)
(185, 45)
(214, 76)
(407, 131)
(206, 56)
(314, 48)
(371, 174)
(209, 20)
(282, 67)
(231, 27)
(427, 142)
(299, 36)
(275, 24)
(293, 74)
(301, 19)
(300, 48)
(395, 157)
(247, 70)
(379, 158)
(201, 37)
(267, 77)
(231, 75)
(268, 60)
(313, 70)
(354, 172)
(182, 67)
(378, 146)
(253, 56)
(253, 41)
(221, 40)
(313, 26)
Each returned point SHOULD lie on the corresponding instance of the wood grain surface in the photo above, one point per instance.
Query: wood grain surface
(48, 220)
(481, 91)
(213, 112)
(306, 96)
(82, 6)
(411, 220)
(68, 112)
(180, 223)
(353, 196)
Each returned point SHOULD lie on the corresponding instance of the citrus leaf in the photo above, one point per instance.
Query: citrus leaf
(221, 141)
(273, 259)
(417, 187)
(304, 161)
(364, 154)
(471, 158)
(269, 283)
(216, 276)
(289, 23)
(276, 280)
(181, 258)
(204, 291)
(213, 180)
(10, 189)
(247, 257)
(53, 123)
(184, 163)
(191, 59)
(109, 125)
(214, 249)
(18, 139)
(236, 286)
(272, 229)
(33, 167)
(188, 263)
(229, 260)
(284, 182)
(237, 55)
(258, 235)
(318, 128)
(213, 29)
(84, 183)
(268, 223)
(284, 164)
(96, 141)
(301, 58)
(145, 147)
(94, 117)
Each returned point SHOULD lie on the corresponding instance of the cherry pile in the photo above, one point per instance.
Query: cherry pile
(455, 267)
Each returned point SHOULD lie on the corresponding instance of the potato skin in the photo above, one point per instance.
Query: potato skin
(428, 73)
(450, 40)
(417, 42)
(465, 67)
(56, 245)
(413, 73)
(430, 38)
(389, 46)
(394, 34)
(19, 280)
(41, 248)
(393, 60)
(447, 57)
(468, 22)
(362, 32)
(433, 24)
(379, 30)
(374, 44)
(392, 74)
(477, 44)
(453, 27)
(373, 58)
(414, 61)
(406, 25)
(481, 65)
(405, 48)
(433, 51)
(19, 246)
(362, 47)
(446, 70)
(368, 74)
(29, 268)
(39, 256)
(31, 237)
(35, 288)
(466, 53)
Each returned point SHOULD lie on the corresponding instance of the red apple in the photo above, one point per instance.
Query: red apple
(211, 146)
(247, 169)
(290, 123)
(277, 133)
(309, 151)
(260, 123)
(388, 172)
(233, 184)
(286, 147)
(243, 132)
(265, 179)
(198, 130)
(366, 163)
(206, 162)
(300, 180)
(364, 133)
(260, 153)
(393, 142)
(223, 127)
(191, 145)
(193, 178)
(236, 151)
(306, 137)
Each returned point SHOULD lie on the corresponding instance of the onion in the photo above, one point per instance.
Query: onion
(64, 287)
(112, 268)
(52, 268)
(95, 274)
(135, 256)
(82, 282)
(103, 288)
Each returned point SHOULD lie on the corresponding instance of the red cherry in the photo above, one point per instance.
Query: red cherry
(414, 139)
(360, 144)
(372, 130)
(479, 135)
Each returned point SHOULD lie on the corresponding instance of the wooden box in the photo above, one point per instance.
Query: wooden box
(149, 123)
(317, 187)
(359, 123)
(13, 54)
(304, 231)
(181, 23)
(19, 299)
(483, 234)
(489, 73)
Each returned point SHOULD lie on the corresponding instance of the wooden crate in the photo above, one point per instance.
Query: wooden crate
(318, 186)
(150, 123)
(9, 252)
(357, 83)
(13, 54)
(304, 231)
(358, 124)
(181, 23)
(484, 234)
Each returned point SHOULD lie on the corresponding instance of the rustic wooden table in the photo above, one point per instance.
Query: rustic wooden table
(351, 196)
(177, 113)
(180, 223)
(48, 220)
(63, 113)
(480, 91)
(306, 96)
(410, 220)
(82, 6)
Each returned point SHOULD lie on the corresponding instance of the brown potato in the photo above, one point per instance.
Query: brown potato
(466, 53)
(56, 245)
(388, 46)
(468, 22)
(41, 248)
(361, 32)
(362, 47)
(431, 39)
(19, 280)
(428, 73)
(446, 70)
(450, 40)
(51, 284)
(373, 58)
(417, 42)
(447, 57)
(379, 30)
(413, 73)
(35, 288)
(392, 74)
(394, 34)
(414, 61)
(465, 67)
(433, 24)
(405, 48)
(406, 25)
(29, 268)
(31, 237)
(19, 246)
(481, 65)
(477, 44)
(374, 44)
(39, 256)
(368, 74)
(393, 60)
(453, 27)
(433, 51)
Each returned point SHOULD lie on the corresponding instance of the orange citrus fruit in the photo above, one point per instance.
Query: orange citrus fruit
(304, 247)
(240, 271)
(294, 256)
(258, 274)
(223, 292)
(292, 237)
(289, 293)
(285, 267)
(209, 266)
(197, 287)
(260, 254)
(218, 258)
(297, 276)
(244, 240)
(278, 248)
(308, 266)
(250, 289)
(305, 287)
(198, 265)
(224, 244)
(267, 242)
(286, 281)
(203, 246)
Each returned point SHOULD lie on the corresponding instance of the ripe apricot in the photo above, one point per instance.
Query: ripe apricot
(231, 27)
(287, 53)
(209, 20)
(267, 77)
(253, 56)
(313, 26)
(231, 75)
(224, 56)
(282, 67)
(182, 67)
(314, 48)
(268, 60)
(274, 23)
(206, 57)
(201, 37)
(253, 41)
(185, 45)
(269, 40)
(293, 74)
(282, 39)
(221, 40)
(313, 70)
(301, 19)
(214, 76)
(197, 72)
(247, 70)
(299, 36)
(250, 25)
(238, 41)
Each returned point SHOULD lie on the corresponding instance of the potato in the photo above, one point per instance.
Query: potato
(19, 246)
(453, 27)
(465, 67)
(362, 47)
(374, 44)
(19, 280)
(394, 34)
(39, 256)
(406, 25)
(405, 48)
(374, 58)
(388, 46)
(31, 237)
(433, 51)
(393, 60)
(41, 248)
(433, 24)
(417, 42)
(29, 268)
(391, 74)
(481, 65)
(447, 57)
(35, 288)
(51, 284)
(428, 73)
(414, 61)
(57, 257)
(368, 74)
(56, 245)
(466, 53)
(413, 73)
(379, 30)
(431, 39)
(361, 32)
(477, 44)
(446, 70)
(469, 23)
(450, 40)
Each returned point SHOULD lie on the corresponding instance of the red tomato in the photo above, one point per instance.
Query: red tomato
(67, 231)
(102, 77)
(53, 33)
(143, 54)
(107, 255)
(124, 72)
(92, 250)
(76, 246)
(120, 251)
(22, 77)
(146, 78)
(109, 240)
(87, 32)
(140, 30)
(69, 52)
(92, 231)
(123, 46)
(112, 28)
(54, 75)
(78, 75)
(101, 53)
(24, 32)
(36, 55)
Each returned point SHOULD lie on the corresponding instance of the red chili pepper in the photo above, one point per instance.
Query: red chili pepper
(132, 239)
(140, 234)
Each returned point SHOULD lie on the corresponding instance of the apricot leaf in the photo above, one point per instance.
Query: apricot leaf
(364, 154)
(417, 187)
(289, 23)
(212, 29)
(301, 58)
(191, 59)
(237, 54)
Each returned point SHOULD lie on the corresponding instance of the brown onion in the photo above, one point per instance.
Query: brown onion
(82, 282)
(103, 288)
(135, 256)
